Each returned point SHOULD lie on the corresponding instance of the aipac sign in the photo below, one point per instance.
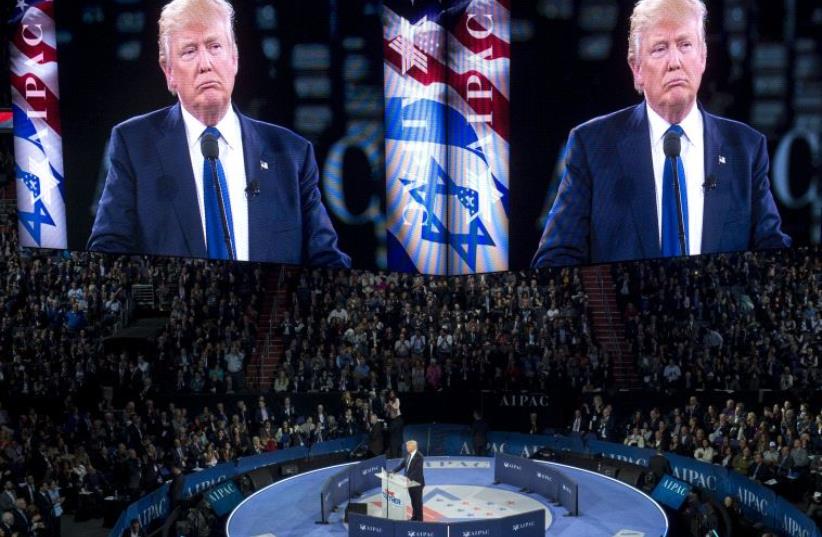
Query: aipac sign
(446, 135)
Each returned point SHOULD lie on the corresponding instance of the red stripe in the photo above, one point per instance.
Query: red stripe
(5, 116)
(50, 103)
(497, 105)
(499, 48)
(49, 54)
(31, 52)
(47, 7)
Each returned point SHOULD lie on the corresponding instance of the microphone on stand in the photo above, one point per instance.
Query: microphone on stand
(672, 146)
(210, 148)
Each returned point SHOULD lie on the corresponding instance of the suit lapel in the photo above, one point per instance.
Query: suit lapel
(258, 167)
(714, 212)
(175, 159)
(638, 174)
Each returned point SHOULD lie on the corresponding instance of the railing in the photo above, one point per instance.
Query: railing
(275, 306)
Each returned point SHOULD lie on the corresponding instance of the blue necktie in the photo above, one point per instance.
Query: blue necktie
(215, 236)
(670, 220)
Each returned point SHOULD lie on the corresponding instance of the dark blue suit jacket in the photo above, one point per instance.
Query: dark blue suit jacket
(149, 204)
(605, 209)
(414, 470)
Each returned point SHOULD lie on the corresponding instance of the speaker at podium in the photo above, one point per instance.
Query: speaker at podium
(395, 495)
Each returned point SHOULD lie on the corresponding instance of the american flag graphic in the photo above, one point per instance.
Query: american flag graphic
(38, 146)
(447, 125)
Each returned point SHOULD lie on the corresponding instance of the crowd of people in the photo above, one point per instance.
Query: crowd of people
(355, 330)
(50, 464)
(57, 308)
(745, 321)
(738, 322)
(778, 445)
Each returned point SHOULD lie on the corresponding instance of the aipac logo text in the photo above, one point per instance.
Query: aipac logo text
(371, 470)
(475, 533)
(524, 525)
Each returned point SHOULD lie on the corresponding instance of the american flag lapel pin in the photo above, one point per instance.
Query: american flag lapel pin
(722, 159)
(264, 164)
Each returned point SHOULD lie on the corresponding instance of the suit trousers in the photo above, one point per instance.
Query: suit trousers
(416, 503)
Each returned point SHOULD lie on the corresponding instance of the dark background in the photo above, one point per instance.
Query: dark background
(568, 65)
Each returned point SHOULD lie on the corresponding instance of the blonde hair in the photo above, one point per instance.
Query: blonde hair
(649, 12)
(178, 14)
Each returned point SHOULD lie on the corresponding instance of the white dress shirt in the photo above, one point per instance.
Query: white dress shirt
(693, 161)
(231, 158)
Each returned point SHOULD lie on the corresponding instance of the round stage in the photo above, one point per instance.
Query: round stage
(457, 488)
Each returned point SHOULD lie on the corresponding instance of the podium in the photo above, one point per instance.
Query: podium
(395, 495)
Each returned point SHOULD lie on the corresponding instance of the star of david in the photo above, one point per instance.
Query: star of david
(439, 183)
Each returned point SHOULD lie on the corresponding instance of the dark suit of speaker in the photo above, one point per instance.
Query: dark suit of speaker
(413, 466)
(605, 209)
(149, 204)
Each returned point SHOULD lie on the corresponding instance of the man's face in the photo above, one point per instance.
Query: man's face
(409, 448)
(201, 67)
(669, 66)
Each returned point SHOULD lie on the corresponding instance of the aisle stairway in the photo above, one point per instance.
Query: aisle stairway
(608, 324)
(269, 347)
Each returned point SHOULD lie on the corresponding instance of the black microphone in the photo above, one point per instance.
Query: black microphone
(210, 148)
(252, 189)
(672, 146)
(710, 183)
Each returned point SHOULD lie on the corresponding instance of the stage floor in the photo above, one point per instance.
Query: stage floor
(457, 488)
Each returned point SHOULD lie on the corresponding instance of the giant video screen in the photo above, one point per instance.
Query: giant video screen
(434, 136)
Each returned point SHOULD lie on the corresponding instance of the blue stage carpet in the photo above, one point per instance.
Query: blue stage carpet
(608, 507)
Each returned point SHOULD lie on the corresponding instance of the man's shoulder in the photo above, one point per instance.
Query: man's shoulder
(271, 131)
(731, 130)
(155, 118)
(611, 123)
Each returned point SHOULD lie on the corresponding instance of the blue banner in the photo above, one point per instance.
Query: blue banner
(224, 497)
(409, 528)
(477, 528)
(364, 474)
(545, 482)
(148, 509)
(620, 452)
(531, 524)
(513, 470)
(568, 491)
(699, 474)
(529, 474)
(335, 491)
(671, 492)
(793, 522)
(456, 440)
(756, 501)
(525, 445)
(198, 482)
(369, 526)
